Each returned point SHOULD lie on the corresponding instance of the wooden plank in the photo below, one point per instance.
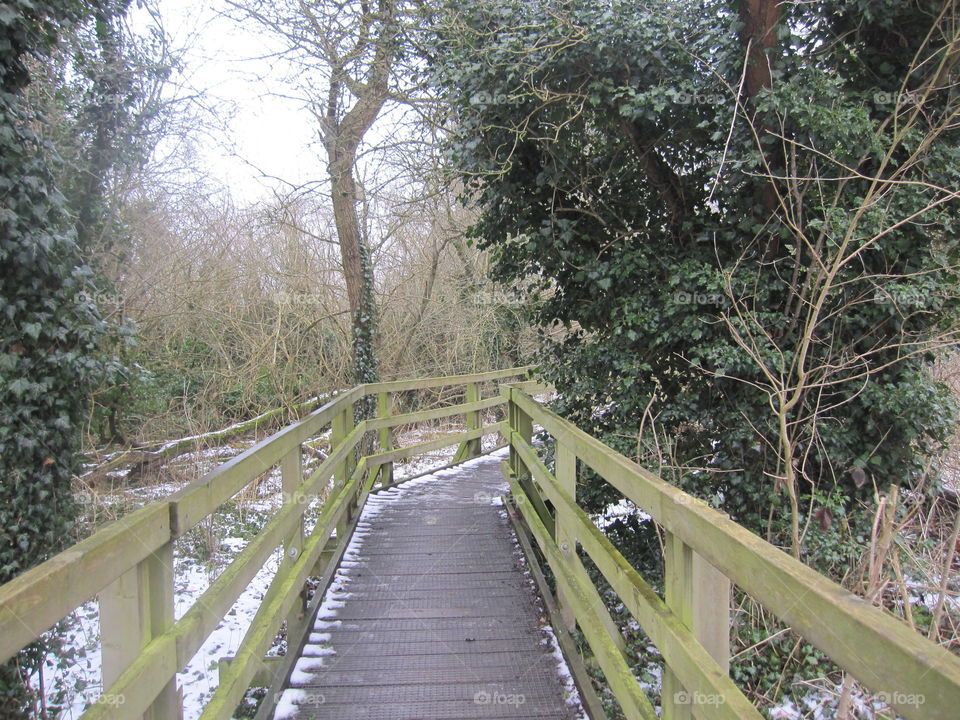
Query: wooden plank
(446, 441)
(678, 594)
(124, 621)
(291, 478)
(565, 525)
(434, 413)
(200, 498)
(522, 424)
(277, 601)
(168, 705)
(144, 678)
(385, 436)
(680, 649)
(568, 645)
(33, 602)
(135, 608)
(589, 607)
(343, 425)
(434, 382)
(473, 416)
(876, 648)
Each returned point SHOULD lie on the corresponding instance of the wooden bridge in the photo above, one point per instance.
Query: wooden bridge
(422, 605)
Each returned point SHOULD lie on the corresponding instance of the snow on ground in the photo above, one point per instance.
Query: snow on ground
(314, 652)
(80, 680)
(420, 464)
(78, 683)
(619, 510)
(822, 701)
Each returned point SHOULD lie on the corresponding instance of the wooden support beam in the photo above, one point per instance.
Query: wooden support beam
(263, 676)
(473, 419)
(566, 527)
(291, 474)
(520, 423)
(343, 425)
(134, 609)
(699, 595)
(384, 410)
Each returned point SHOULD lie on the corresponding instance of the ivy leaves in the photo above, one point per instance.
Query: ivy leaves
(625, 189)
(48, 333)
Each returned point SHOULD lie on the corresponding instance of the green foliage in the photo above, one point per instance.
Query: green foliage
(49, 331)
(617, 188)
(781, 664)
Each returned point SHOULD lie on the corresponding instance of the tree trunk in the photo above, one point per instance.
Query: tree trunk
(759, 38)
(357, 268)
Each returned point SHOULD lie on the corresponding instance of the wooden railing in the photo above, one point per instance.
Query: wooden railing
(129, 565)
(704, 553)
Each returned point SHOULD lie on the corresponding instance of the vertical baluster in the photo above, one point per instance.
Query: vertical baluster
(699, 595)
(342, 427)
(291, 473)
(473, 419)
(566, 473)
(386, 437)
(134, 609)
(521, 424)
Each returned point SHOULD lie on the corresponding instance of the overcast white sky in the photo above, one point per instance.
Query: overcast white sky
(262, 132)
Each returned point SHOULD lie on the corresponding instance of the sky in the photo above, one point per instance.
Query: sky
(250, 131)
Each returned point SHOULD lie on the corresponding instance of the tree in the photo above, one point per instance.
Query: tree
(100, 92)
(742, 216)
(351, 58)
(49, 330)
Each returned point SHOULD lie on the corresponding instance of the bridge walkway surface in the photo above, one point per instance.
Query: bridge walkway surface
(432, 614)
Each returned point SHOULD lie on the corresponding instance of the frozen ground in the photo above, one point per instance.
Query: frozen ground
(72, 681)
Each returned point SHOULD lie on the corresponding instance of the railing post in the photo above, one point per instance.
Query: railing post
(521, 424)
(473, 420)
(386, 437)
(342, 426)
(134, 609)
(566, 473)
(699, 595)
(291, 473)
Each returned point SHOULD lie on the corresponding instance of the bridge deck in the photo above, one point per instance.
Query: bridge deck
(432, 615)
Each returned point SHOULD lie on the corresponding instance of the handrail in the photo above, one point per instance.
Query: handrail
(129, 563)
(705, 551)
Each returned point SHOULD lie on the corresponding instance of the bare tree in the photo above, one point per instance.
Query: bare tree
(349, 59)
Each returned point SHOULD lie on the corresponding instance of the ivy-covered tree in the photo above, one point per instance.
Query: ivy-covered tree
(48, 332)
(743, 216)
(101, 94)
